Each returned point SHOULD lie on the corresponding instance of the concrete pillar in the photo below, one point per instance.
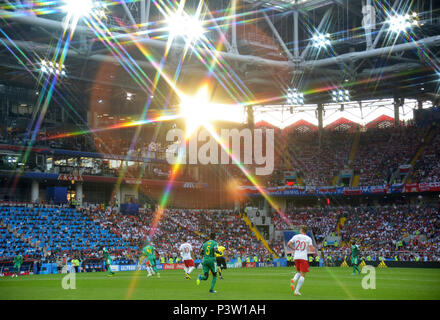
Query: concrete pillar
(237, 205)
(79, 192)
(397, 103)
(35, 191)
(295, 34)
(118, 196)
(234, 26)
(320, 121)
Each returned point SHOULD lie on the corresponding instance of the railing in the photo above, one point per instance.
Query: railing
(259, 236)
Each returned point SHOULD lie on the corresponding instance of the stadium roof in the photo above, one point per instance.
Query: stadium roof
(127, 50)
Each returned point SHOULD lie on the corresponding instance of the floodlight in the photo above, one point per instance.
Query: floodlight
(321, 40)
(78, 8)
(294, 97)
(189, 27)
(52, 68)
(400, 23)
(340, 95)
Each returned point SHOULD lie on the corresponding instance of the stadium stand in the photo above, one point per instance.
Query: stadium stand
(54, 229)
(378, 229)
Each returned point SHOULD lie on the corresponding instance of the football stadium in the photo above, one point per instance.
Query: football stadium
(220, 150)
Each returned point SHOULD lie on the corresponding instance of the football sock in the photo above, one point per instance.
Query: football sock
(300, 283)
(203, 277)
(213, 281)
(357, 268)
(155, 269)
(186, 269)
(190, 269)
(296, 277)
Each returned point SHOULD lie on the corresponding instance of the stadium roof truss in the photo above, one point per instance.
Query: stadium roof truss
(361, 54)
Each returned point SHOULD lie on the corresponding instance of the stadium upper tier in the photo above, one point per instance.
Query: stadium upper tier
(376, 156)
(335, 158)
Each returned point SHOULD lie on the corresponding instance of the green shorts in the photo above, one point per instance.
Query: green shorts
(354, 261)
(17, 266)
(152, 261)
(209, 265)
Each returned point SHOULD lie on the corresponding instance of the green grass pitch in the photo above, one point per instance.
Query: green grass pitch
(239, 284)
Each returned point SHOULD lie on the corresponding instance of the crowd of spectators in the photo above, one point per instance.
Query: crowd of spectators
(382, 151)
(318, 164)
(168, 229)
(405, 231)
(52, 230)
(321, 220)
(427, 167)
(379, 154)
(380, 229)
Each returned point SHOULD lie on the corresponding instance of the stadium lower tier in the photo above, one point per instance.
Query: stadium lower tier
(51, 233)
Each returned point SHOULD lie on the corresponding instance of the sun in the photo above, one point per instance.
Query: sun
(196, 110)
(199, 111)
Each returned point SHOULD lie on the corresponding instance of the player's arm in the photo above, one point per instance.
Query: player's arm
(312, 249)
(290, 245)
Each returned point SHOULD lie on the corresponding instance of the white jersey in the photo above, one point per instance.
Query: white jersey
(301, 243)
(185, 251)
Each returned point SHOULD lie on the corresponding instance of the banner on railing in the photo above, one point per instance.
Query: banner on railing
(347, 191)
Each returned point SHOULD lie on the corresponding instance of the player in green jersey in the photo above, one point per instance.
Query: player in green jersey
(150, 252)
(18, 260)
(355, 258)
(107, 261)
(209, 263)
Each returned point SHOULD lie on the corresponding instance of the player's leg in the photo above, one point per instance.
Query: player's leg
(357, 267)
(185, 268)
(214, 278)
(295, 278)
(141, 260)
(205, 276)
(219, 263)
(354, 262)
(190, 269)
(223, 266)
(149, 270)
(153, 266)
(300, 282)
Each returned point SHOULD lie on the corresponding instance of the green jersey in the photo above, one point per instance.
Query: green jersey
(148, 251)
(18, 259)
(354, 250)
(107, 257)
(209, 249)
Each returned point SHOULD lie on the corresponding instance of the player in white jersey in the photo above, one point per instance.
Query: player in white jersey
(186, 251)
(301, 244)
